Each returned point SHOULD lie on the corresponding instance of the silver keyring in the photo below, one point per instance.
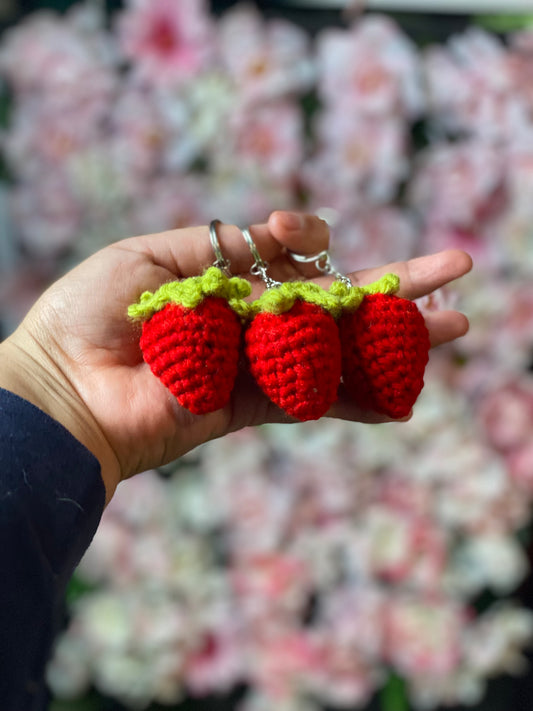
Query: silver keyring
(220, 261)
(322, 262)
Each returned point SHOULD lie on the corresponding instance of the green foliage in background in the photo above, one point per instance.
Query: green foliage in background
(504, 23)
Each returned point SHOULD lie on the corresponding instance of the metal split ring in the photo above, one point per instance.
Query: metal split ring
(322, 262)
(259, 267)
(220, 261)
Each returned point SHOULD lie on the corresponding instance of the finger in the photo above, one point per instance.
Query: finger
(445, 326)
(345, 409)
(422, 275)
(304, 235)
(187, 252)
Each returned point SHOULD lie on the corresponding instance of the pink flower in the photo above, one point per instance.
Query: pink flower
(108, 557)
(468, 502)
(367, 236)
(520, 66)
(479, 243)
(472, 87)
(267, 61)
(458, 186)
(266, 140)
(506, 413)
(345, 677)
(137, 132)
(506, 327)
(271, 581)
(520, 462)
(423, 636)
(353, 615)
(65, 59)
(350, 631)
(245, 197)
(140, 501)
(218, 662)
(370, 69)
(284, 662)
(514, 226)
(403, 547)
(255, 510)
(47, 215)
(20, 289)
(319, 501)
(169, 202)
(42, 140)
(359, 161)
(167, 41)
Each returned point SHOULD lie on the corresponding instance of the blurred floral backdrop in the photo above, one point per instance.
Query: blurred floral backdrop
(315, 565)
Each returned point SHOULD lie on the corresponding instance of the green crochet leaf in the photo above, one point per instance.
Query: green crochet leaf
(280, 299)
(350, 297)
(190, 292)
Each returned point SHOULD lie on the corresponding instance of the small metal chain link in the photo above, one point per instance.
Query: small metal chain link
(260, 267)
(220, 261)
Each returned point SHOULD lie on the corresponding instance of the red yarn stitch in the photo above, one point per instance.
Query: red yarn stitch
(295, 358)
(194, 352)
(385, 346)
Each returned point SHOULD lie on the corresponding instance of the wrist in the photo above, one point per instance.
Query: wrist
(27, 370)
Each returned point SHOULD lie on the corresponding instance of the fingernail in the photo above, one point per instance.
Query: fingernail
(292, 221)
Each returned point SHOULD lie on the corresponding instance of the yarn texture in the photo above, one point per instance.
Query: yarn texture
(191, 337)
(282, 298)
(385, 346)
(349, 298)
(190, 292)
(195, 352)
(300, 340)
(295, 357)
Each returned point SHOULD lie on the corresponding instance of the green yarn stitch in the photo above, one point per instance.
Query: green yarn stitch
(340, 297)
(280, 299)
(190, 292)
(350, 297)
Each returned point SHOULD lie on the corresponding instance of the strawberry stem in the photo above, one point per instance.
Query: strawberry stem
(350, 297)
(192, 291)
(280, 299)
(388, 284)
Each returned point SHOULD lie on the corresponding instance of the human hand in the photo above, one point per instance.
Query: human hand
(76, 354)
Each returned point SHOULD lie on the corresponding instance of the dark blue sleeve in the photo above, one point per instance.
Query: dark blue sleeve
(51, 500)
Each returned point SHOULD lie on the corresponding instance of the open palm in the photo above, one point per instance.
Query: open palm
(85, 351)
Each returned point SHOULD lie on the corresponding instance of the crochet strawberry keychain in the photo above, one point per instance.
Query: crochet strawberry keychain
(292, 344)
(191, 333)
(303, 340)
(384, 343)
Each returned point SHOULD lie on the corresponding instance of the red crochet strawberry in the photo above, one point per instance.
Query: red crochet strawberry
(192, 337)
(293, 349)
(385, 345)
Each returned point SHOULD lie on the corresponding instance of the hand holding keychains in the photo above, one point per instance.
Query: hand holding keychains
(301, 342)
(220, 340)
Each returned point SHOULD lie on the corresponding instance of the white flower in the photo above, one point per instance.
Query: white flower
(492, 560)
(107, 622)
